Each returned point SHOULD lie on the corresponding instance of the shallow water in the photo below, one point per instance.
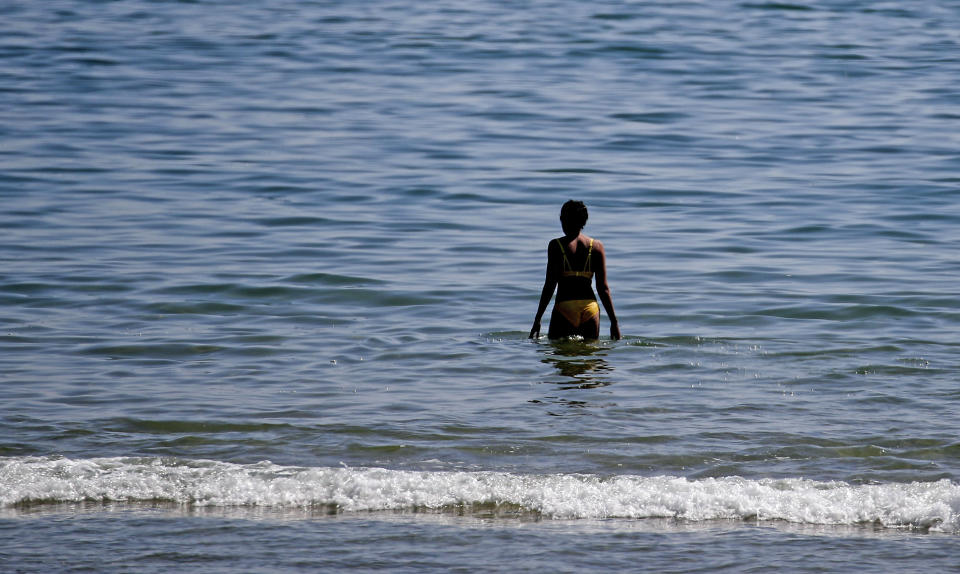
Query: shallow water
(269, 268)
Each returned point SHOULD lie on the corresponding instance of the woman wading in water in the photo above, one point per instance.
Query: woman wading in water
(572, 261)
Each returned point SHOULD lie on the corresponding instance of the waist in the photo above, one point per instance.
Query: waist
(583, 295)
(575, 287)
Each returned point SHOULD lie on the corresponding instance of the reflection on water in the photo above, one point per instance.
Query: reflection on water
(579, 365)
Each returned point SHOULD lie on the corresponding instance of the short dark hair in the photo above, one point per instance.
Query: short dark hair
(575, 213)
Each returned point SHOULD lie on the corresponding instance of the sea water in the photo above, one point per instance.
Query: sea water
(268, 269)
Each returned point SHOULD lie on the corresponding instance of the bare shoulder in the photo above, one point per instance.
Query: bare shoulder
(553, 249)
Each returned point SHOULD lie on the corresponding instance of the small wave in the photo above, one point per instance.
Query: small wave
(152, 351)
(777, 6)
(26, 481)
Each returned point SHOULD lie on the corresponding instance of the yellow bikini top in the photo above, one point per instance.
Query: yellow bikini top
(568, 269)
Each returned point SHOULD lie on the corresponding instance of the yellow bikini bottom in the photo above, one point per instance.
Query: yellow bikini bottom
(577, 311)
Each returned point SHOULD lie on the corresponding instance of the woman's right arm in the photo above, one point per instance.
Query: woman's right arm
(603, 290)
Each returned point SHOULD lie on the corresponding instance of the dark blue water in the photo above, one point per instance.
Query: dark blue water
(268, 269)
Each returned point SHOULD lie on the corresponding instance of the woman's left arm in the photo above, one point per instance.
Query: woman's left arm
(549, 285)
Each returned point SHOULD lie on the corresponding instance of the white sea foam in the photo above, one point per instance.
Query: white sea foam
(31, 480)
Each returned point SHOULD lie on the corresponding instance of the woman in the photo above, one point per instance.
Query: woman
(572, 261)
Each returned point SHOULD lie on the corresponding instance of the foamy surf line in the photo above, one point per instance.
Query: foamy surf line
(201, 483)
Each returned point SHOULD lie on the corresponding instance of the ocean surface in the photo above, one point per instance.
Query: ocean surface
(268, 267)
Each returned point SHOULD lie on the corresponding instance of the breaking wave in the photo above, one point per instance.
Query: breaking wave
(27, 481)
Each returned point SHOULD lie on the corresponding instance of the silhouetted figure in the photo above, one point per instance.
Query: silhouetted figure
(572, 261)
